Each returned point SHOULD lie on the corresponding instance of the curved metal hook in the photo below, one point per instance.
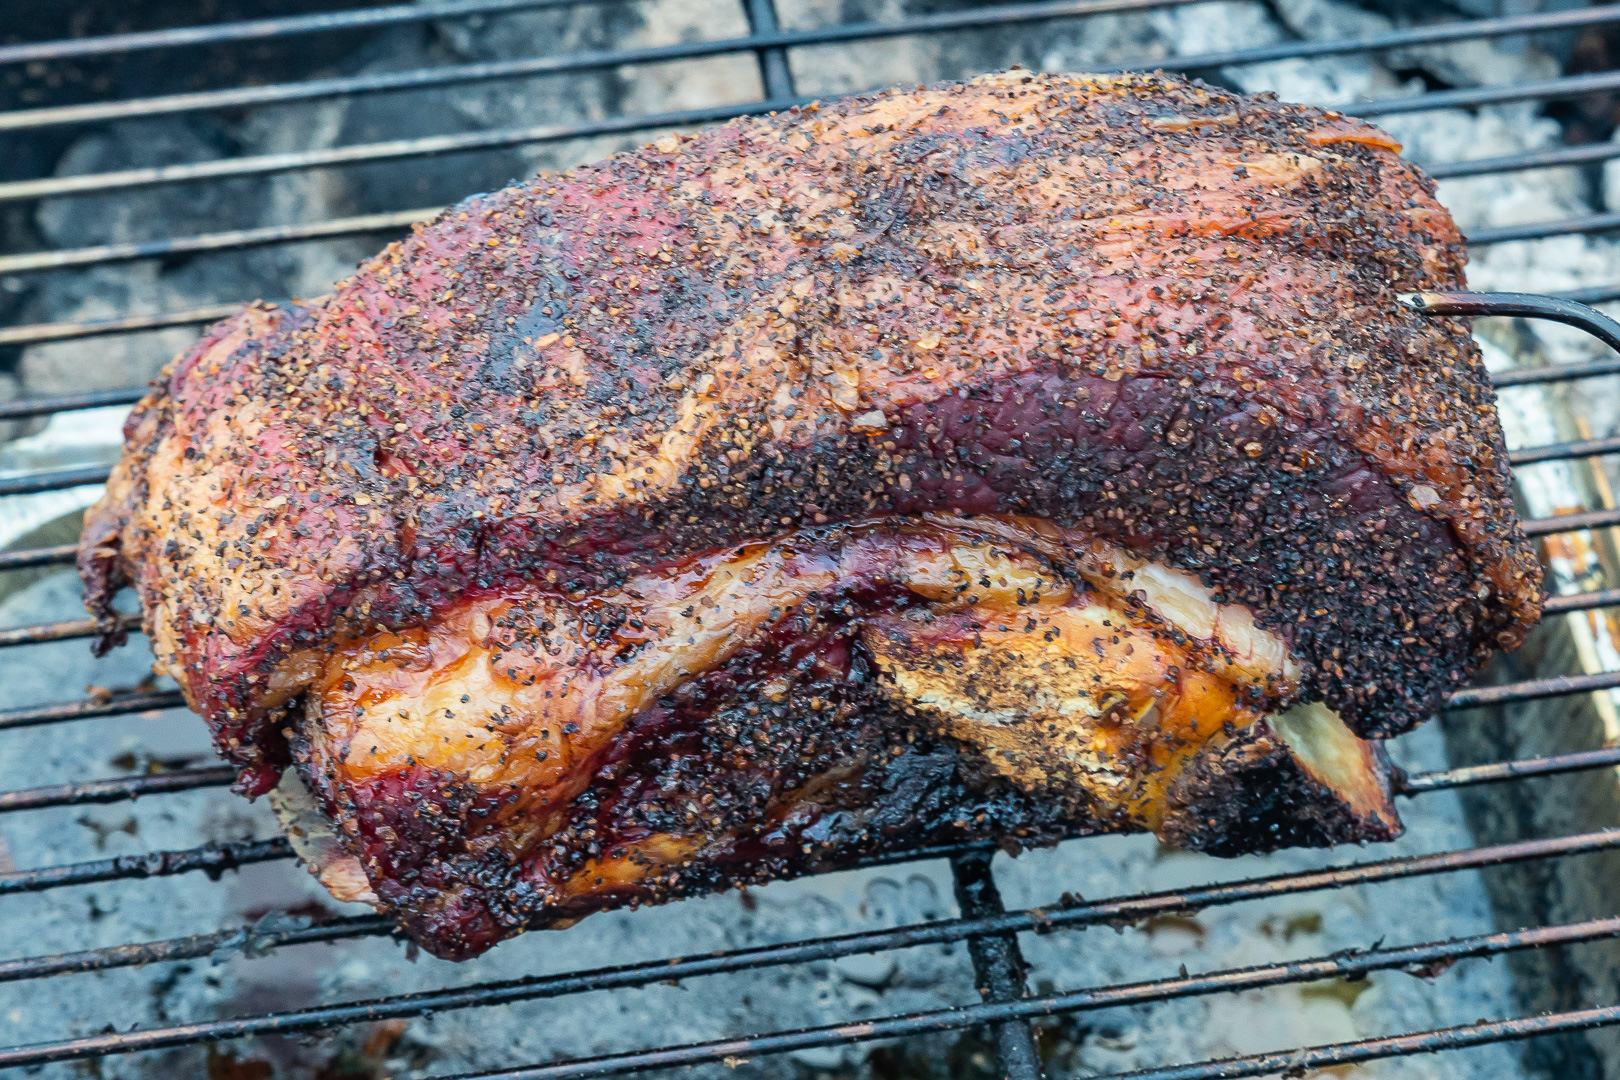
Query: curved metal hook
(1530, 305)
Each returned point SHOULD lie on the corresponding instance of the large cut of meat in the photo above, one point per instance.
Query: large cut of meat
(1004, 460)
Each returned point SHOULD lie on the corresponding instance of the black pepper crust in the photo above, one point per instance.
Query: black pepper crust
(1136, 305)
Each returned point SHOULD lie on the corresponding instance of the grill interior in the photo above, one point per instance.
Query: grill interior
(1009, 1010)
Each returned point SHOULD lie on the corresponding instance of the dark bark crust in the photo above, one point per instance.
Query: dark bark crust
(1139, 307)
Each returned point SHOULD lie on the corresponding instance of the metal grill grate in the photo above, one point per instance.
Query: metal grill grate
(1008, 1007)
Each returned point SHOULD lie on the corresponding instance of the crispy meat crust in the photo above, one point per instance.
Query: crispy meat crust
(1153, 312)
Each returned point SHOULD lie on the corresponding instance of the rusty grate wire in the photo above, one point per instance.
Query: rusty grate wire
(1007, 1007)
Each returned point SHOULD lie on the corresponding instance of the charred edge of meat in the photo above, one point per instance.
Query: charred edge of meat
(1301, 780)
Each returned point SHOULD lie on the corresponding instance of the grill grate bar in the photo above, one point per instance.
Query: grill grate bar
(44, 332)
(254, 940)
(1563, 372)
(775, 75)
(43, 556)
(1540, 230)
(54, 480)
(1355, 965)
(1475, 96)
(499, 138)
(1532, 689)
(1594, 294)
(1578, 448)
(530, 67)
(134, 787)
(1583, 154)
(113, 705)
(91, 399)
(999, 973)
(259, 29)
(61, 631)
(117, 790)
(230, 240)
(1341, 1054)
(372, 153)
(212, 859)
(1123, 910)
(1559, 605)
(1468, 776)
(1561, 523)
(1525, 690)
(38, 333)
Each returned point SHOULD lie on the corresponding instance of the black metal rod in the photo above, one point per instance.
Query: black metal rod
(1595, 294)
(536, 66)
(1123, 910)
(65, 630)
(775, 76)
(1528, 305)
(1540, 230)
(259, 29)
(999, 972)
(1559, 605)
(117, 790)
(254, 940)
(1582, 154)
(1474, 96)
(232, 240)
(1562, 523)
(1558, 372)
(1552, 765)
(55, 480)
(211, 859)
(112, 705)
(1298, 1062)
(1532, 690)
(37, 333)
(55, 403)
(1416, 958)
(43, 556)
(1576, 448)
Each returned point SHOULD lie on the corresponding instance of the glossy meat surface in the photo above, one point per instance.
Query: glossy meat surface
(1049, 323)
